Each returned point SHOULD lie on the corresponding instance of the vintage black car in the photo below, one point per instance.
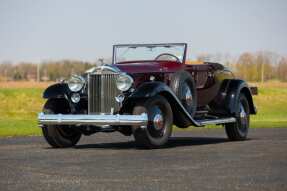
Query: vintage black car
(146, 90)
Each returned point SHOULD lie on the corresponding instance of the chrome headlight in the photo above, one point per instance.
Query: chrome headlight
(124, 82)
(76, 83)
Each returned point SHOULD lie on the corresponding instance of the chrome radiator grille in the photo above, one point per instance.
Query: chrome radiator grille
(102, 91)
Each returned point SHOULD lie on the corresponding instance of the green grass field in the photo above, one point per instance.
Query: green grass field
(19, 108)
(272, 107)
(18, 111)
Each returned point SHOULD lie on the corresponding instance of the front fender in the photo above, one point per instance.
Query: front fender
(149, 89)
(235, 88)
(59, 90)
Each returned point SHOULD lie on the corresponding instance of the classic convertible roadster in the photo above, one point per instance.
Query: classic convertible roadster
(145, 91)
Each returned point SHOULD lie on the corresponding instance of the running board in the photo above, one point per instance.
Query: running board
(216, 121)
(193, 122)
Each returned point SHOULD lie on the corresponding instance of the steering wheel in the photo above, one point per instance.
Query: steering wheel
(166, 55)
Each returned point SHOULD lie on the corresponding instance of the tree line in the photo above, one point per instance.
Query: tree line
(260, 67)
(44, 71)
(254, 67)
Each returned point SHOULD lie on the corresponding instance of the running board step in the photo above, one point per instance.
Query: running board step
(201, 112)
(216, 121)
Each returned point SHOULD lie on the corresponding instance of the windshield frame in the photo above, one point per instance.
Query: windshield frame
(143, 45)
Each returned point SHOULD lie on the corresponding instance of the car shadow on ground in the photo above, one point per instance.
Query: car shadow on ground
(173, 142)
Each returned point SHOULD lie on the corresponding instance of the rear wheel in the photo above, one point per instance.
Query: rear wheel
(59, 136)
(160, 120)
(239, 130)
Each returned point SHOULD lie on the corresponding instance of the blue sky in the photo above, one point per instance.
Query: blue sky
(36, 30)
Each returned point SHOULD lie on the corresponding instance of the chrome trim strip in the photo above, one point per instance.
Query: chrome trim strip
(96, 120)
(217, 121)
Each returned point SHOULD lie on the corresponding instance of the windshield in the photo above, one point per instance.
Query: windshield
(149, 52)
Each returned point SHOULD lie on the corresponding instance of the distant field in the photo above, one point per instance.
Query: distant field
(20, 103)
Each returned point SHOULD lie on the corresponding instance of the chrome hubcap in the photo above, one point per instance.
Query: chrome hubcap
(158, 121)
(243, 115)
(188, 97)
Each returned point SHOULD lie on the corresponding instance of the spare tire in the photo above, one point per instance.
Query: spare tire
(182, 84)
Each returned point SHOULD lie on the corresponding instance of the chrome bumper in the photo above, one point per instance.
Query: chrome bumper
(96, 120)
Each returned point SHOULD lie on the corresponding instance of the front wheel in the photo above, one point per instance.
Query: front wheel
(59, 136)
(239, 130)
(160, 120)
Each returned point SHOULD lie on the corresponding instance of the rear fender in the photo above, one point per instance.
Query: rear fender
(235, 88)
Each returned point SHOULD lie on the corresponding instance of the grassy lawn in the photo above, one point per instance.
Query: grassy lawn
(19, 108)
(272, 107)
(18, 111)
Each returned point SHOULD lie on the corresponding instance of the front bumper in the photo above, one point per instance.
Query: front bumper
(95, 120)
